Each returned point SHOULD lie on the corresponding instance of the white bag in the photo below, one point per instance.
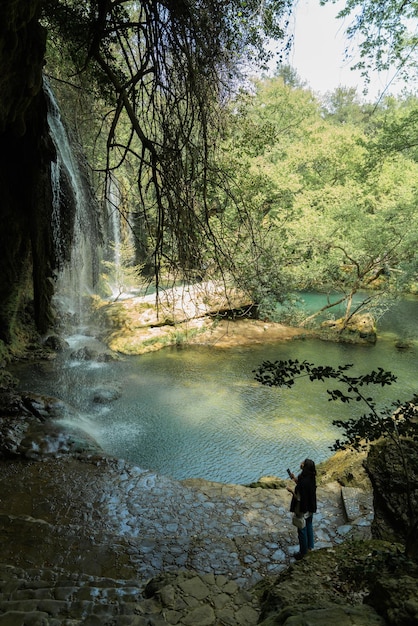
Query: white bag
(298, 521)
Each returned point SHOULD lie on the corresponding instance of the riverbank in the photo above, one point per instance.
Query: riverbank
(201, 314)
(206, 314)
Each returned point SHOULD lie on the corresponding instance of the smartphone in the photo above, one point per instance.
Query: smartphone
(289, 472)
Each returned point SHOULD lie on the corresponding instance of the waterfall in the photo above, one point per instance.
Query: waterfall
(113, 202)
(75, 225)
(77, 242)
(121, 251)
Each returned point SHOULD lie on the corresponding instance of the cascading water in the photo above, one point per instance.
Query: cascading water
(78, 248)
(75, 220)
(121, 248)
(113, 202)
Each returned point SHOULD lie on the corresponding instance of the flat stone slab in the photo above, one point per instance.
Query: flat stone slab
(357, 503)
(106, 515)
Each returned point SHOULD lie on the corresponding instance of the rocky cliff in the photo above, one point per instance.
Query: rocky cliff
(26, 151)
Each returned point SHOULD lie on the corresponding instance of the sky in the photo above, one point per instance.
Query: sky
(318, 51)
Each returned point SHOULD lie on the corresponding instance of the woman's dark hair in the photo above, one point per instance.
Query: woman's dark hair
(309, 468)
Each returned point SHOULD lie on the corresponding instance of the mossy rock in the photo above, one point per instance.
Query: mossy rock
(338, 580)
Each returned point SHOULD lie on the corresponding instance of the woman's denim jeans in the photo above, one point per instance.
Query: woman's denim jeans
(306, 537)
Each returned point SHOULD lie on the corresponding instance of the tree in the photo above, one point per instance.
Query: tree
(167, 68)
(382, 31)
(337, 210)
(263, 126)
(343, 106)
(397, 120)
(356, 227)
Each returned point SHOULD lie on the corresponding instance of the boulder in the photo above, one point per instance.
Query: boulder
(395, 596)
(106, 395)
(56, 343)
(84, 354)
(34, 426)
(393, 470)
(360, 328)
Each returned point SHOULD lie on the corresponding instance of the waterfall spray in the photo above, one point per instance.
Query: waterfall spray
(123, 274)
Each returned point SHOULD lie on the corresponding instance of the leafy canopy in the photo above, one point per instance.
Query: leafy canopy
(165, 70)
(385, 33)
(331, 188)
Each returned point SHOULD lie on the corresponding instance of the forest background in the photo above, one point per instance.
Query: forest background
(276, 191)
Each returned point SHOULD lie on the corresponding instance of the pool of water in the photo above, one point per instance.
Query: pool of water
(198, 412)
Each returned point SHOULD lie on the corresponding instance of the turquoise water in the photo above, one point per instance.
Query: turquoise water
(400, 321)
(198, 412)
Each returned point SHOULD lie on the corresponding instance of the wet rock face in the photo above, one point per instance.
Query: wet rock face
(33, 427)
(394, 475)
(106, 395)
(21, 59)
(25, 209)
(56, 343)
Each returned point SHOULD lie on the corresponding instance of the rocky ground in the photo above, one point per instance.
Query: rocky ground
(90, 540)
(205, 313)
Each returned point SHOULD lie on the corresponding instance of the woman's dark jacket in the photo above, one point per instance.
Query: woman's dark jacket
(305, 492)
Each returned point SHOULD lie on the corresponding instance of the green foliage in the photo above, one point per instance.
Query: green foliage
(396, 422)
(163, 71)
(336, 197)
(383, 31)
(398, 131)
(343, 106)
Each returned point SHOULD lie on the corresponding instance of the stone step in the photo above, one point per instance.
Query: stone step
(72, 607)
(59, 598)
(19, 618)
(70, 594)
(357, 504)
(50, 612)
(41, 577)
(44, 597)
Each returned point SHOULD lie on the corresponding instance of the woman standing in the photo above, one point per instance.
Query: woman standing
(304, 504)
